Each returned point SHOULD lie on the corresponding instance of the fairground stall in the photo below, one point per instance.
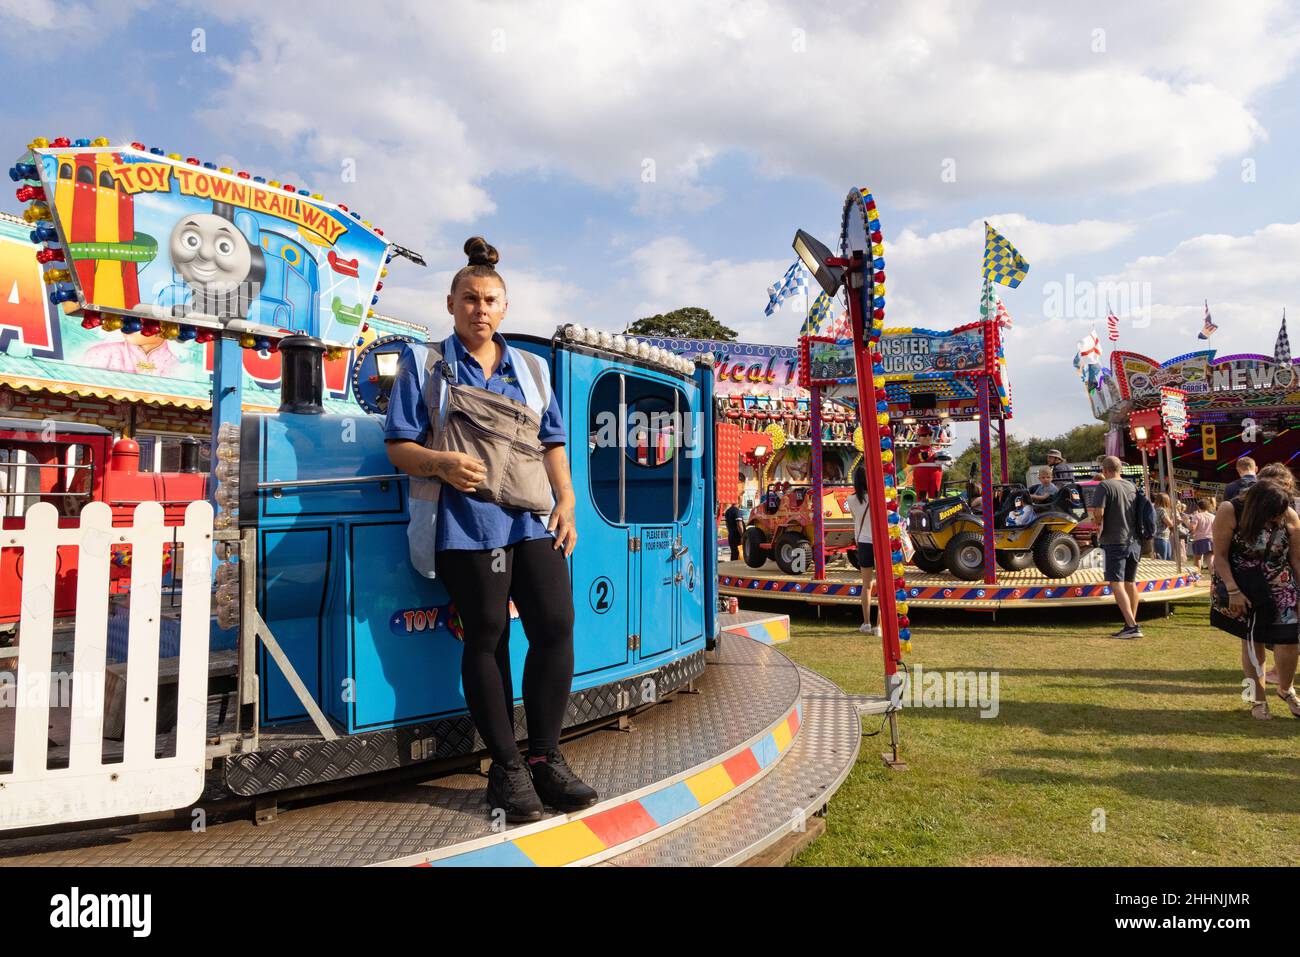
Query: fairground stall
(329, 660)
(1212, 410)
(1020, 555)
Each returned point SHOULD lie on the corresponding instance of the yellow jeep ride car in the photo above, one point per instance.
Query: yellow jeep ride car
(949, 536)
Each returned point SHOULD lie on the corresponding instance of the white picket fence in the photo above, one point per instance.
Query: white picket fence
(33, 794)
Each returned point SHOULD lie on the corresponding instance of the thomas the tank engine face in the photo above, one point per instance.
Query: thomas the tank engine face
(210, 254)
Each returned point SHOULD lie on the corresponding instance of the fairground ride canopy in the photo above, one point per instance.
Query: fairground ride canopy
(1249, 384)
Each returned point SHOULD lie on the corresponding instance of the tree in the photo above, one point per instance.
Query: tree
(1083, 443)
(688, 322)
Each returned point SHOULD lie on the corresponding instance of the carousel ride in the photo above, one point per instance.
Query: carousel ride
(984, 549)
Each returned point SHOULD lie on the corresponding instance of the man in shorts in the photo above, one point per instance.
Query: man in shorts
(1114, 512)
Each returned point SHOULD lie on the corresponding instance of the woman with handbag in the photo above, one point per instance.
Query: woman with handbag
(1256, 560)
(475, 424)
(859, 505)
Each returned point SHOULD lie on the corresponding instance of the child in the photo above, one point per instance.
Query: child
(1201, 525)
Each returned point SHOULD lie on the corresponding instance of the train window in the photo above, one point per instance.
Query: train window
(85, 175)
(20, 481)
(639, 460)
(653, 434)
(65, 171)
(161, 452)
(70, 489)
(106, 179)
(290, 255)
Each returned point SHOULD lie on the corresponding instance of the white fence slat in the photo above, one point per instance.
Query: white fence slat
(33, 795)
(39, 541)
(195, 539)
(146, 539)
(90, 647)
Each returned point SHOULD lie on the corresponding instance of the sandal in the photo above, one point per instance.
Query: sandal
(1260, 711)
(1292, 701)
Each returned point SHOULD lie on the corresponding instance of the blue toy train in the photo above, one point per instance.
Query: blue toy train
(372, 646)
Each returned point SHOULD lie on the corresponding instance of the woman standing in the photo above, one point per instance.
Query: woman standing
(488, 554)
(860, 508)
(1201, 528)
(1164, 524)
(1253, 594)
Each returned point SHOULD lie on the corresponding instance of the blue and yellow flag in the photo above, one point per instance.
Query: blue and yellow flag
(1002, 261)
(817, 319)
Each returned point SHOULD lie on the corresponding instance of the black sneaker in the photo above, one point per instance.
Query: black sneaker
(1128, 631)
(511, 790)
(557, 785)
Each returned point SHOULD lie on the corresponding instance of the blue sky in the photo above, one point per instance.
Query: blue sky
(1151, 148)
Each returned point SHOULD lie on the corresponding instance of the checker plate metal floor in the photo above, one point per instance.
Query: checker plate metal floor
(800, 785)
(745, 688)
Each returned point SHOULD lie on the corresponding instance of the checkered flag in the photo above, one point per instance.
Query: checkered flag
(1002, 261)
(793, 283)
(1282, 348)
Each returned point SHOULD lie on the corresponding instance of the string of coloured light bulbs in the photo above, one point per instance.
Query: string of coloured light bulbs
(54, 257)
(876, 328)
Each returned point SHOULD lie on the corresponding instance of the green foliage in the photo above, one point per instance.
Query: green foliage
(1154, 732)
(1083, 443)
(688, 322)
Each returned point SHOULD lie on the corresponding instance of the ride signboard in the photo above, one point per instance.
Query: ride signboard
(1173, 413)
(1229, 383)
(38, 350)
(157, 237)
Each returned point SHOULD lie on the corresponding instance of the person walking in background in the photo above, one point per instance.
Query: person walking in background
(1180, 525)
(1283, 476)
(1246, 477)
(735, 530)
(1200, 526)
(1114, 512)
(859, 505)
(1256, 562)
(1164, 525)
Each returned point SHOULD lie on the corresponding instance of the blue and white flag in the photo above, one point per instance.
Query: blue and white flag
(793, 283)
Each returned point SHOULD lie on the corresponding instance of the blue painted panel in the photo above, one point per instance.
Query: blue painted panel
(295, 577)
(404, 658)
(328, 447)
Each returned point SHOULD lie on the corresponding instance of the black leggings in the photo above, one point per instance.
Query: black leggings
(481, 582)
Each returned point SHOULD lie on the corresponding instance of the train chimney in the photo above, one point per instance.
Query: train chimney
(125, 457)
(189, 454)
(302, 375)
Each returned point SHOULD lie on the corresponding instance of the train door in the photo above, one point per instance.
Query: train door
(658, 489)
(601, 567)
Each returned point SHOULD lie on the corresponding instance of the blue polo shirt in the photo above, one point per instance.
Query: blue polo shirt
(465, 521)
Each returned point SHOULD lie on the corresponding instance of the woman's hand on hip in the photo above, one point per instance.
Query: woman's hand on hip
(562, 524)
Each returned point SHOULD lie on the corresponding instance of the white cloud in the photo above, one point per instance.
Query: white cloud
(434, 99)
(670, 272)
(537, 303)
(1248, 280)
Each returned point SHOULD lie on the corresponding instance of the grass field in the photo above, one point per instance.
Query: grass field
(1152, 734)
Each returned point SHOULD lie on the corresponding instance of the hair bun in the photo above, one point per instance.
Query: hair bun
(481, 252)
